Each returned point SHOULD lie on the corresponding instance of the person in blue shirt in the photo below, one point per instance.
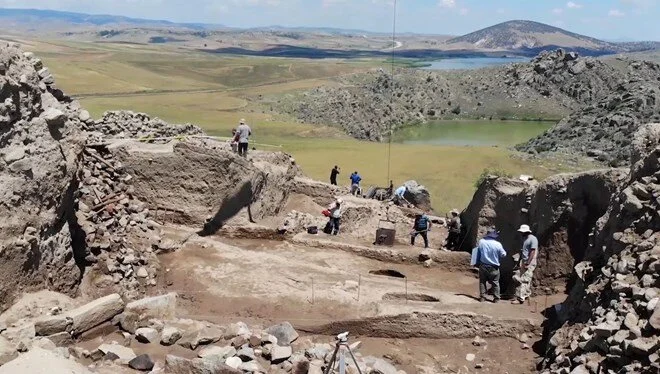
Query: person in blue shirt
(489, 251)
(355, 183)
(421, 227)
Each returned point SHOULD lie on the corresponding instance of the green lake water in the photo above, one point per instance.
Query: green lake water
(472, 133)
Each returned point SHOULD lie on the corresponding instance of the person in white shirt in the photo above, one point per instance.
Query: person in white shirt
(243, 131)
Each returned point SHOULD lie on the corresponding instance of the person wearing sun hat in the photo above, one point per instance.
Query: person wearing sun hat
(487, 256)
(243, 131)
(528, 260)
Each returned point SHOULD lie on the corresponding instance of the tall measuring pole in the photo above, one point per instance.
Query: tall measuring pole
(391, 120)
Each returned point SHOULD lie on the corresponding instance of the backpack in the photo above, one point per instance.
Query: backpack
(313, 230)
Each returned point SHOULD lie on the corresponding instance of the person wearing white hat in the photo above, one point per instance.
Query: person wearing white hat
(335, 217)
(243, 132)
(523, 276)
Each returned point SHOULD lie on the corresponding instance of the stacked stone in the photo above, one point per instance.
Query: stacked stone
(127, 124)
(107, 213)
(614, 310)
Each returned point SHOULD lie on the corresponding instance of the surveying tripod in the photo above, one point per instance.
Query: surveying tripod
(340, 349)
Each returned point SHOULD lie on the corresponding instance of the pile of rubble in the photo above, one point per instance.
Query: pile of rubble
(118, 228)
(125, 124)
(611, 319)
(234, 348)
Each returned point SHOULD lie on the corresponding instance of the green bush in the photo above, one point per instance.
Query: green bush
(487, 172)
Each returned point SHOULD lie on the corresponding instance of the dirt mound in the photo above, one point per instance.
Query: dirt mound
(561, 211)
(40, 142)
(193, 184)
(604, 130)
(611, 318)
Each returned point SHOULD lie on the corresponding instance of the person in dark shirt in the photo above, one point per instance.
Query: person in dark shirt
(333, 175)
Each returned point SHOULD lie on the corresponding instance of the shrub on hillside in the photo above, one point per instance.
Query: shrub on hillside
(488, 172)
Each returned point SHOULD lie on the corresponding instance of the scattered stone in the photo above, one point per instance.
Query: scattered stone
(470, 357)
(246, 354)
(146, 335)
(284, 332)
(179, 365)
(125, 354)
(381, 366)
(222, 352)
(170, 335)
(234, 362)
(142, 363)
(478, 341)
(251, 367)
(279, 354)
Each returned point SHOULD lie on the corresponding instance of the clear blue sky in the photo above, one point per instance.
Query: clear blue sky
(607, 19)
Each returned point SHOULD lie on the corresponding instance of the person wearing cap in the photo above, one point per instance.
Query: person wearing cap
(489, 251)
(243, 131)
(335, 216)
(454, 231)
(528, 260)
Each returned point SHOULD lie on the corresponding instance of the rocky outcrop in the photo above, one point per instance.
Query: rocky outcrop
(604, 130)
(552, 85)
(40, 145)
(565, 76)
(560, 210)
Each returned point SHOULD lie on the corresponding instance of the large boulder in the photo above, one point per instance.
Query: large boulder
(39, 155)
(418, 195)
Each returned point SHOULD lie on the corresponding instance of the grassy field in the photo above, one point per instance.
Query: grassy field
(216, 91)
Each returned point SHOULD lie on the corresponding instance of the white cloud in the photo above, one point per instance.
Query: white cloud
(639, 3)
(615, 13)
(464, 11)
(558, 11)
(572, 5)
(447, 3)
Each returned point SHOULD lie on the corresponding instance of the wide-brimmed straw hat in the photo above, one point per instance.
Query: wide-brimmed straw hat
(524, 229)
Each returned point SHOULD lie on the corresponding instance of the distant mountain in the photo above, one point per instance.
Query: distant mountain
(39, 18)
(530, 35)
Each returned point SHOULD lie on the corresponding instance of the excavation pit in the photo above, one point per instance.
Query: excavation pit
(388, 273)
(411, 297)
